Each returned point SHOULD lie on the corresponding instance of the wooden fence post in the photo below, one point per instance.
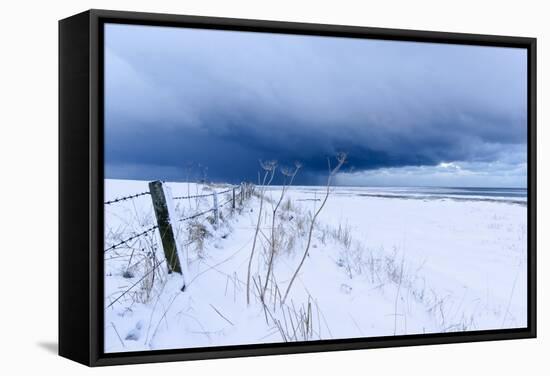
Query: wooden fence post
(216, 211)
(241, 193)
(162, 213)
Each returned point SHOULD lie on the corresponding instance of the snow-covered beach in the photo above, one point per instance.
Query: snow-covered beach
(382, 262)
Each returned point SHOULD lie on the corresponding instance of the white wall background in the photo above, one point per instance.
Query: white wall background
(28, 162)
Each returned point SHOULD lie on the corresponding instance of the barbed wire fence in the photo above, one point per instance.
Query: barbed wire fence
(166, 218)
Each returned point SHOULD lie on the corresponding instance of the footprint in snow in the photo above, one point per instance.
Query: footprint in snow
(134, 334)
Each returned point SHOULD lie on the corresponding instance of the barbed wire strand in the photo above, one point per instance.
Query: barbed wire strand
(125, 198)
(125, 241)
(192, 196)
(225, 203)
(201, 195)
(195, 215)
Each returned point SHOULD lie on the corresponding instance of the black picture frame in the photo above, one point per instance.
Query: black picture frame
(81, 186)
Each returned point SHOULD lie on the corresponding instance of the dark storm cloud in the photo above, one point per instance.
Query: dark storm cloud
(180, 100)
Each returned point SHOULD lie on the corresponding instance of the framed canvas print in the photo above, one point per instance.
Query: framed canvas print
(236, 187)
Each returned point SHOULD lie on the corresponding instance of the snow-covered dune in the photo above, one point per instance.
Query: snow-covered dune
(377, 266)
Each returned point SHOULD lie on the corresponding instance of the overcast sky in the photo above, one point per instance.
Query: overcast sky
(184, 103)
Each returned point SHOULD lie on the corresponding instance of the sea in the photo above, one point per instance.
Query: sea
(504, 195)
